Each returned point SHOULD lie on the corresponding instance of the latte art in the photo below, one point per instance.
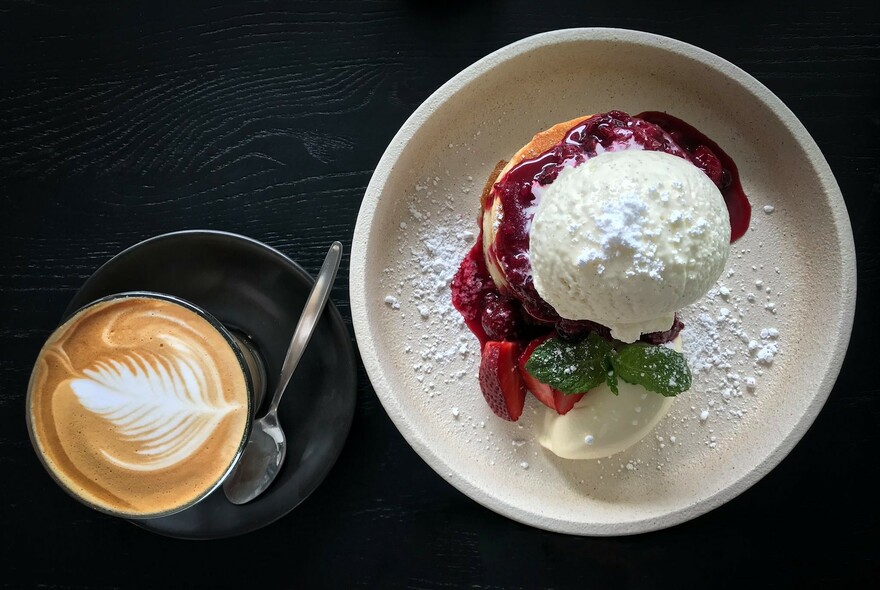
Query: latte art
(138, 405)
(159, 404)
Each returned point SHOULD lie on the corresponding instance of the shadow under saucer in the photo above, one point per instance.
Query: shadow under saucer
(259, 292)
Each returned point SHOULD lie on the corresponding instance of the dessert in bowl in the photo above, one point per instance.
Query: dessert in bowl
(759, 372)
(591, 238)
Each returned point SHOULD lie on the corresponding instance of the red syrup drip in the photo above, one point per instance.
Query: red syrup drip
(722, 170)
(523, 314)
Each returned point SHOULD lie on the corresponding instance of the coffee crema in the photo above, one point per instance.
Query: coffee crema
(138, 405)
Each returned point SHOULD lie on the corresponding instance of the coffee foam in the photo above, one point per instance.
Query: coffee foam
(138, 405)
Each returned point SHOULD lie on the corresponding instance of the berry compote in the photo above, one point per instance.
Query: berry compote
(516, 312)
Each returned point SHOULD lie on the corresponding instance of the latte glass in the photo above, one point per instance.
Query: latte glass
(140, 403)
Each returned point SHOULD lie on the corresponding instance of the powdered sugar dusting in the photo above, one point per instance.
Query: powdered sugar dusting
(621, 226)
(731, 340)
(431, 246)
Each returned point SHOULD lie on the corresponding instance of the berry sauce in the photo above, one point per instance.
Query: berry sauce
(712, 160)
(518, 312)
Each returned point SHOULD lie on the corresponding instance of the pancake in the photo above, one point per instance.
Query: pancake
(490, 204)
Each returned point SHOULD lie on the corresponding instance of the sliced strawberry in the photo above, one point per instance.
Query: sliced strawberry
(500, 379)
(550, 397)
(709, 163)
(542, 391)
(566, 401)
(532, 345)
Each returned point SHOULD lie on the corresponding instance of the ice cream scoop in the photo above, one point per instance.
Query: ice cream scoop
(627, 238)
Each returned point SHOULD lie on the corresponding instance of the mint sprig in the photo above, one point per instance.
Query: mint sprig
(656, 368)
(575, 367)
(571, 367)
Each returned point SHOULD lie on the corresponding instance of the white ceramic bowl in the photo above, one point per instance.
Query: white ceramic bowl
(762, 369)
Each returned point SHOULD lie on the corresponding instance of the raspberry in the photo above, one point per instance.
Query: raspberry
(709, 163)
(501, 318)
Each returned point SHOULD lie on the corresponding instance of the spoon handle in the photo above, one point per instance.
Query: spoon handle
(307, 320)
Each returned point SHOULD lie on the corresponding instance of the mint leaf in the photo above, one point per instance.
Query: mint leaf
(571, 367)
(611, 374)
(656, 368)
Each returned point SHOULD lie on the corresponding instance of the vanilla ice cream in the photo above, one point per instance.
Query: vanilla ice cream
(628, 238)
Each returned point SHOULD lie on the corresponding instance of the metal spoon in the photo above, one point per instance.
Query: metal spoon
(265, 451)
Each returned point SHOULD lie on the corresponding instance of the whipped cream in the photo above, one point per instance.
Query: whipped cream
(627, 238)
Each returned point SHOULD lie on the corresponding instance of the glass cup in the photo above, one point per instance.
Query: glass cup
(140, 403)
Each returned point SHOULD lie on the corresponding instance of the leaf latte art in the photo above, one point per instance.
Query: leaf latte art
(138, 405)
(158, 403)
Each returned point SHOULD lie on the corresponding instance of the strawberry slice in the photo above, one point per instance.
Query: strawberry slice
(500, 379)
(542, 391)
(550, 397)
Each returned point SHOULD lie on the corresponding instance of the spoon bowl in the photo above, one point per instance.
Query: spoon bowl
(266, 448)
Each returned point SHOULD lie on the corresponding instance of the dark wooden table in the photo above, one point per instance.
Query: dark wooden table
(123, 120)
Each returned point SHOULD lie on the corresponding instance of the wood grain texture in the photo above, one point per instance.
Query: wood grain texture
(123, 120)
